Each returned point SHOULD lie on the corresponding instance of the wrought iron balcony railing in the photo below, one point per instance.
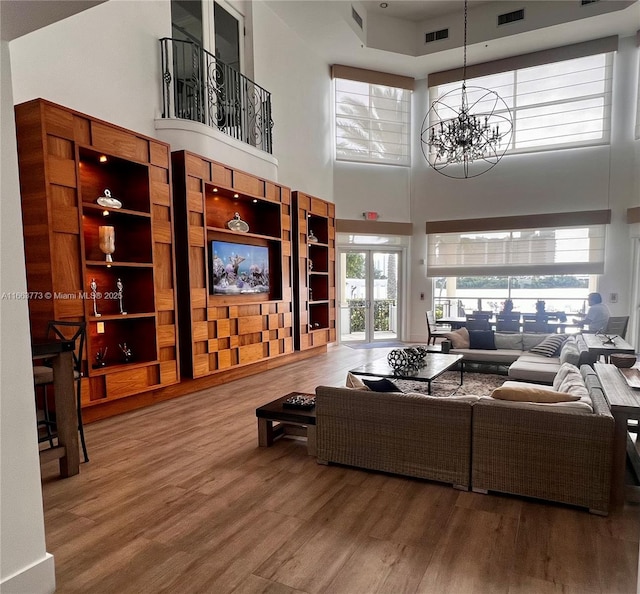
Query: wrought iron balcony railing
(198, 87)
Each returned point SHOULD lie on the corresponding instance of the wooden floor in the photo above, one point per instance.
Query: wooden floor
(178, 498)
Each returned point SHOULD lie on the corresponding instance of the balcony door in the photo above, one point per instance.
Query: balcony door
(369, 295)
(215, 26)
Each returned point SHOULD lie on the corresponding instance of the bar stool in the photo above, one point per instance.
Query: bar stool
(43, 377)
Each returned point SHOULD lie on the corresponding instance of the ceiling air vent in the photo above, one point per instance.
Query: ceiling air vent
(583, 2)
(436, 35)
(511, 17)
(356, 17)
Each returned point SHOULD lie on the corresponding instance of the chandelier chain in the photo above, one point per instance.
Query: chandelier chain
(457, 131)
(464, 58)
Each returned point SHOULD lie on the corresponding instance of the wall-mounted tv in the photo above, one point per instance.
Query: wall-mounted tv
(238, 268)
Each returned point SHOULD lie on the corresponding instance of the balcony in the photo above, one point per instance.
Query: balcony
(198, 87)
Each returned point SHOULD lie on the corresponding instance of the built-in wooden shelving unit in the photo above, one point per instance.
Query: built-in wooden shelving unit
(67, 160)
(314, 271)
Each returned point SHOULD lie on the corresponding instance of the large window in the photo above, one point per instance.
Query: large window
(569, 250)
(565, 294)
(372, 122)
(554, 105)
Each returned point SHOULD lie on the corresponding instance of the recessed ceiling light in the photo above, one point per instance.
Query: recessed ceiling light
(384, 4)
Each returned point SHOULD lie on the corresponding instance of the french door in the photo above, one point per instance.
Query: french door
(369, 294)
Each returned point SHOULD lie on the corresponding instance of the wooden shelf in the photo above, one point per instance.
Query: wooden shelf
(239, 234)
(113, 212)
(110, 368)
(103, 264)
(315, 288)
(68, 160)
(111, 317)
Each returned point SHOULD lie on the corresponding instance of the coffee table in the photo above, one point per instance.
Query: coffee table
(597, 346)
(291, 421)
(437, 364)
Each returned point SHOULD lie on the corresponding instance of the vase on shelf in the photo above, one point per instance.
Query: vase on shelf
(107, 237)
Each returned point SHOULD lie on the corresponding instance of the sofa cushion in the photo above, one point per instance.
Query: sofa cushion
(531, 339)
(482, 339)
(354, 382)
(459, 338)
(570, 352)
(512, 341)
(529, 393)
(550, 345)
(381, 385)
(563, 372)
(534, 368)
(574, 384)
(497, 357)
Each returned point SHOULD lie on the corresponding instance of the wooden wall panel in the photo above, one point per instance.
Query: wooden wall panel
(119, 142)
(229, 328)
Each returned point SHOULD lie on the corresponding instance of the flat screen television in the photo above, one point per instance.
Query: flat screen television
(238, 268)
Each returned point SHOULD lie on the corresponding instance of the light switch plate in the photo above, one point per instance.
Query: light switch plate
(613, 297)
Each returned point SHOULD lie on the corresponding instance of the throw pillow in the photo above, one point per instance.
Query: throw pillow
(532, 394)
(482, 339)
(563, 372)
(508, 341)
(459, 338)
(382, 385)
(574, 384)
(354, 382)
(570, 353)
(549, 346)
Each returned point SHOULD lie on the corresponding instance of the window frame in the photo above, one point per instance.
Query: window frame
(407, 98)
(437, 91)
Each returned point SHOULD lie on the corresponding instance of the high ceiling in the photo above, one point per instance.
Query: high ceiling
(416, 10)
(19, 17)
(392, 38)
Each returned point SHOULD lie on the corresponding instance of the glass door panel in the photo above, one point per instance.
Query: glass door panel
(369, 295)
(353, 296)
(385, 295)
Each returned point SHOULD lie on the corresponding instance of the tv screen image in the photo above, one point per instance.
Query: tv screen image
(239, 268)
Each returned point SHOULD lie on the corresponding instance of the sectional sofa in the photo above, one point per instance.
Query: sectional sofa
(555, 451)
(514, 350)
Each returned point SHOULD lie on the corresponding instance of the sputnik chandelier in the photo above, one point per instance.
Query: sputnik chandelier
(470, 127)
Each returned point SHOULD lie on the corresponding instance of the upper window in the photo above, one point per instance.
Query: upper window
(214, 26)
(372, 123)
(558, 105)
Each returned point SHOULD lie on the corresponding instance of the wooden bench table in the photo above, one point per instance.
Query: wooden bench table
(291, 421)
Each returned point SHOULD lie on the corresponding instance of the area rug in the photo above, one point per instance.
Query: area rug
(476, 384)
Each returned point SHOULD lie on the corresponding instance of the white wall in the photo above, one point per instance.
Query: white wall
(104, 62)
(361, 187)
(25, 566)
(300, 85)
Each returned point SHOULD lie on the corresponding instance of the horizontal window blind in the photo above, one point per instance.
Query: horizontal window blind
(557, 105)
(372, 122)
(543, 251)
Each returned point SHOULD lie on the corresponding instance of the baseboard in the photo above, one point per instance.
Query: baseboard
(39, 578)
